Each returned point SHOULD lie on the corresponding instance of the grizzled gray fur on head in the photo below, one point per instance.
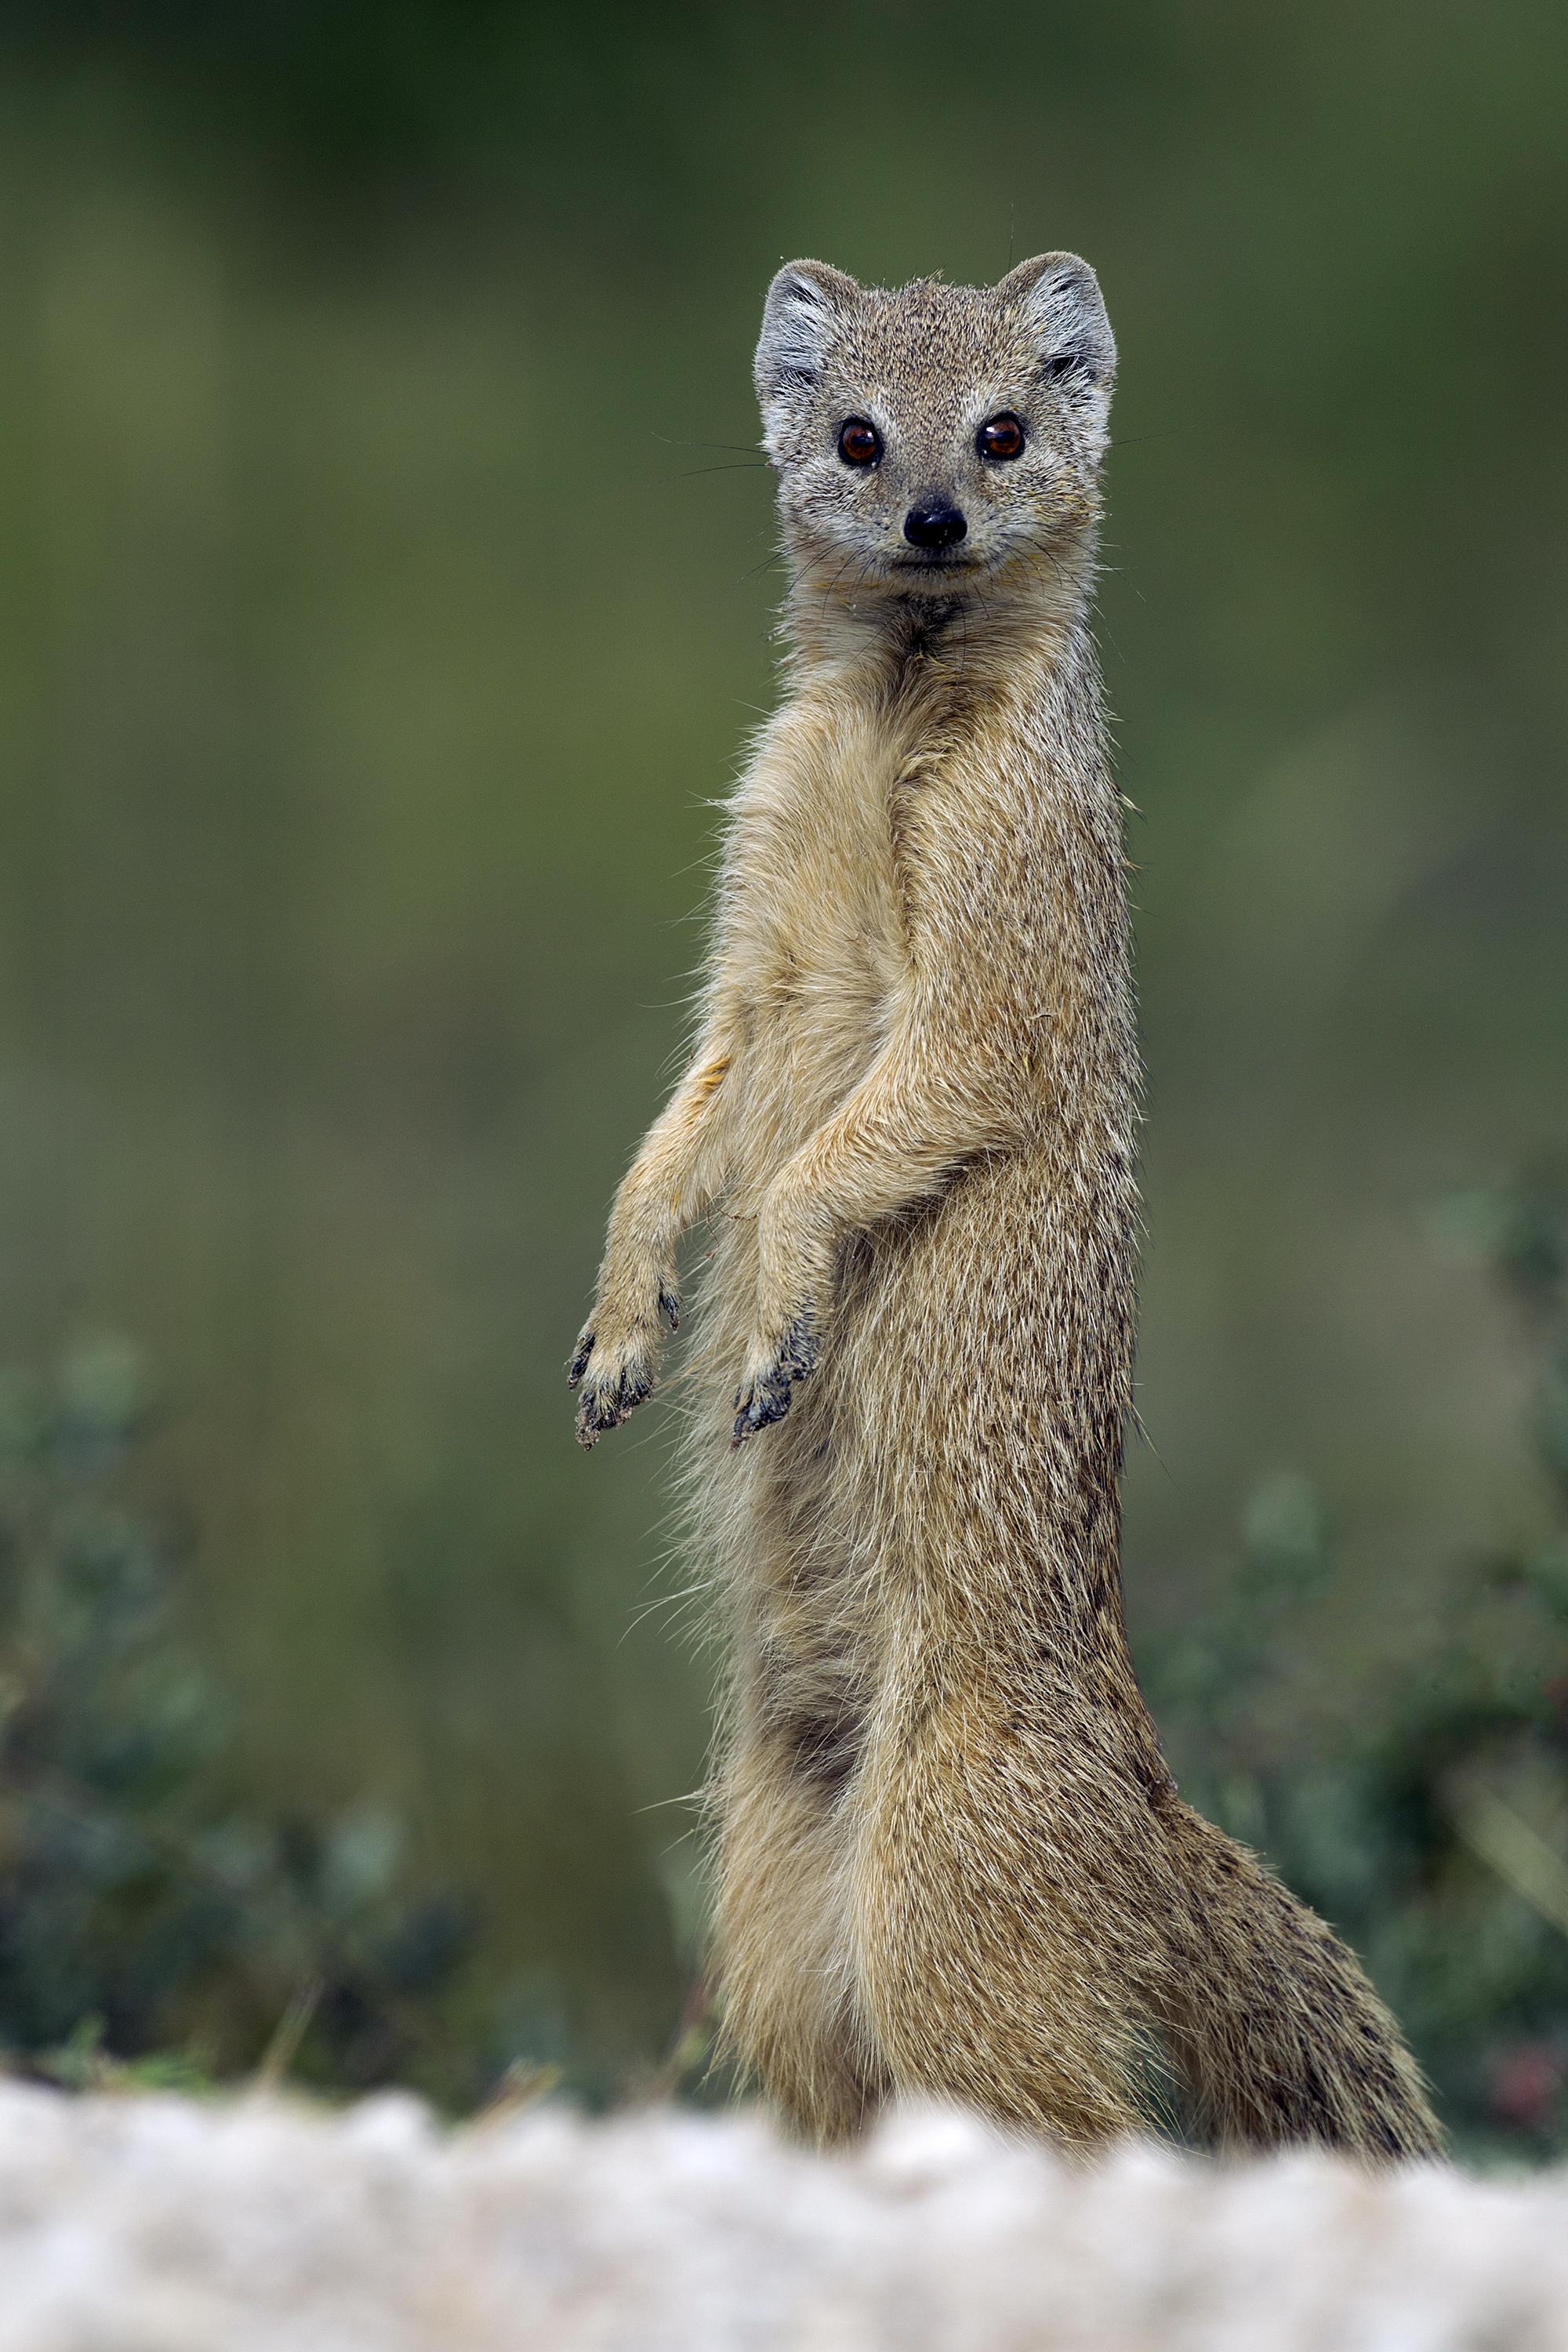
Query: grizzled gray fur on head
(927, 366)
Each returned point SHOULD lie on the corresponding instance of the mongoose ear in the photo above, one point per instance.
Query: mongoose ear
(1058, 295)
(805, 302)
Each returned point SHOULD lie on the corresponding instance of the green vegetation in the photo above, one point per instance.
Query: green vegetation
(1425, 1811)
(152, 1926)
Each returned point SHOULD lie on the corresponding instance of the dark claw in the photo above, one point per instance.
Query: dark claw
(766, 1400)
(798, 1355)
(669, 1308)
(590, 1421)
(595, 1414)
(579, 1364)
(601, 1409)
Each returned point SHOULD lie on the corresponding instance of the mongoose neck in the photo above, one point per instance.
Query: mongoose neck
(945, 661)
(983, 629)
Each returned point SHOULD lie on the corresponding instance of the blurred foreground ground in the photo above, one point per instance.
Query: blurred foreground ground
(153, 2226)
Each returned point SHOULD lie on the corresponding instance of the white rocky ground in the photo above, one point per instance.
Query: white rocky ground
(153, 2224)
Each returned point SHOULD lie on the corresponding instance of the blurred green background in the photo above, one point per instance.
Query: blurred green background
(385, 599)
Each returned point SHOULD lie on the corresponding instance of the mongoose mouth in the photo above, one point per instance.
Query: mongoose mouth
(933, 580)
(938, 561)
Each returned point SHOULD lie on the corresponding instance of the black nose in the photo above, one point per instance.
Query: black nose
(934, 527)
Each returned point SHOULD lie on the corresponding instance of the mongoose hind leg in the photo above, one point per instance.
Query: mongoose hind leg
(1269, 2018)
(782, 1940)
(1000, 1940)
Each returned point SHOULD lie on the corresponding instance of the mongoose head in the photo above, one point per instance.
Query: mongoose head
(936, 438)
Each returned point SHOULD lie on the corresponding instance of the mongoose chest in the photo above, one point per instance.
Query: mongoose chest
(818, 946)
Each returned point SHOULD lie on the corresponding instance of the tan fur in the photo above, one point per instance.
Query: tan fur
(950, 1855)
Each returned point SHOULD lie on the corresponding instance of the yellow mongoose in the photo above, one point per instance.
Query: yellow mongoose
(950, 1858)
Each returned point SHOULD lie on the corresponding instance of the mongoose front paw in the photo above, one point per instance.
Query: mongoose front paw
(614, 1377)
(764, 1396)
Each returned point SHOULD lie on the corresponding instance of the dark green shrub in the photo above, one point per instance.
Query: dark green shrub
(1425, 1816)
(147, 1904)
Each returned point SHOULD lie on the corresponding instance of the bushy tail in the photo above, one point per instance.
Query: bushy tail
(1270, 2021)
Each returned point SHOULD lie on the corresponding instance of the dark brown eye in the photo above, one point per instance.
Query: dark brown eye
(860, 444)
(1000, 436)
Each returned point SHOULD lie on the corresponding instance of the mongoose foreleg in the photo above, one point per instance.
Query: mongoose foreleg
(668, 1186)
(923, 1107)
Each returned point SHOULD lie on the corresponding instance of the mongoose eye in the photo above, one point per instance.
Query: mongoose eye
(1000, 436)
(860, 444)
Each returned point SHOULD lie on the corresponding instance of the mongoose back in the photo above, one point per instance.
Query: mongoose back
(950, 1856)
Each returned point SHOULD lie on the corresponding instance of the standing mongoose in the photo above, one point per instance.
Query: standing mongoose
(950, 1856)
